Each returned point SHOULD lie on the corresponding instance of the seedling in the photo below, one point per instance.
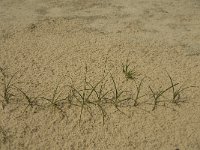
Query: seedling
(101, 99)
(130, 74)
(91, 97)
(8, 87)
(82, 97)
(117, 94)
(31, 101)
(156, 95)
(55, 100)
(138, 91)
(176, 93)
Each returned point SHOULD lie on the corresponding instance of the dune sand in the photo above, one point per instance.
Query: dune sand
(49, 43)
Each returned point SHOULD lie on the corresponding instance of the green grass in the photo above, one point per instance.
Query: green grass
(157, 95)
(177, 92)
(31, 101)
(8, 82)
(95, 97)
(55, 101)
(82, 98)
(118, 96)
(138, 93)
(101, 98)
(130, 74)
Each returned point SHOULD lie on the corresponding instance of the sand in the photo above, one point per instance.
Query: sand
(52, 41)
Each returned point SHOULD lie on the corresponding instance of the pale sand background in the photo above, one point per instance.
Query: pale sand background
(53, 39)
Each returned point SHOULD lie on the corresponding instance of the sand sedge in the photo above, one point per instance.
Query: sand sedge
(137, 96)
(8, 87)
(130, 74)
(138, 91)
(101, 99)
(55, 100)
(91, 95)
(83, 96)
(157, 94)
(176, 92)
(31, 101)
(116, 100)
(80, 99)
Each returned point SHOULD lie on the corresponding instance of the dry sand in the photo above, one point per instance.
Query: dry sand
(50, 41)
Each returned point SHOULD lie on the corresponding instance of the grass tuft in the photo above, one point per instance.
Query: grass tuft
(130, 74)
(101, 98)
(82, 98)
(55, 101)
(8, 83)
(31, 101)
(177, 92)
(117, 98)
(158, 94)
(138, 92)
(94, 97)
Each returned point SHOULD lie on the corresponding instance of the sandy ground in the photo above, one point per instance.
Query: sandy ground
(51, 42)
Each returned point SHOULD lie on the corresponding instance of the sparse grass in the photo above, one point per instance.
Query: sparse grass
(8, 84)
(117, 98)
(55, 101)
(31, 101)
(130, 74)
(158, 94)
(101, 99)
(90, 95)
(82, 97)
(93, 96)
(176, 92)
(138, 92)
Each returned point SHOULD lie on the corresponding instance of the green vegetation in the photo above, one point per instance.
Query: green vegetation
(93, 98)
(130, 74)
(8, 85)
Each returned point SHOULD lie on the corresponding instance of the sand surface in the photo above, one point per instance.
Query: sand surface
(50, 43)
